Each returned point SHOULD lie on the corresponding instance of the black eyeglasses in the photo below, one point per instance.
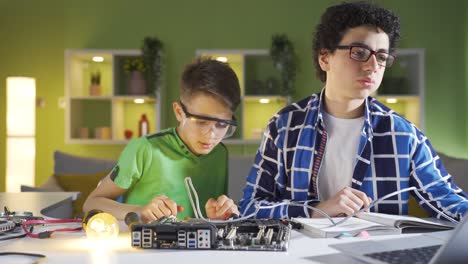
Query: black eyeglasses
(361, 53)
(224, 128)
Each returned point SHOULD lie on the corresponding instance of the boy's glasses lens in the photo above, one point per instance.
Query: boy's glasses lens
(221, 128)
(363, 54)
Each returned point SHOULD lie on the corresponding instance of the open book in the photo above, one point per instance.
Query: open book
(373, 223)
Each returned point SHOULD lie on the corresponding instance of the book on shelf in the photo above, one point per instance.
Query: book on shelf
(373, 223)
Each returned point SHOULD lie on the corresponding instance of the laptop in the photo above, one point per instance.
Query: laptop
(438, 247)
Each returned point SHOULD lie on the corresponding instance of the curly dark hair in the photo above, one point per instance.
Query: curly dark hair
(211, 77)
(339, 18)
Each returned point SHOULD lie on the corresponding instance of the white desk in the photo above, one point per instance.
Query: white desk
(73, 248)
(47, 204)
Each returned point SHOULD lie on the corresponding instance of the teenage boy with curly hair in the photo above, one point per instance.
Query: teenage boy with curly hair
(341, 148)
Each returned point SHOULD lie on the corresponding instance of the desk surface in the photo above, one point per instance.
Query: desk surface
(46, 204)
(73, 247)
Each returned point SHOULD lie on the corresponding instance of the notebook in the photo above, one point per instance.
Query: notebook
(432, 248)
(373, 223)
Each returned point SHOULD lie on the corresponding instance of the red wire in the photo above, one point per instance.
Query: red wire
(48, 233)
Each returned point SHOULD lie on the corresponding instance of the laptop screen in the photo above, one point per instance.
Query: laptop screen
(455, 250)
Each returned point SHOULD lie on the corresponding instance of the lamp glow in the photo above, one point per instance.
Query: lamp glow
(264, 100)
(222, 59)
(102, 226)
(20, 132)
(139, 101)
(98, 59)
(391, 100)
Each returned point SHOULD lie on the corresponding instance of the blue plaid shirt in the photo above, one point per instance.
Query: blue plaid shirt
(393, 154)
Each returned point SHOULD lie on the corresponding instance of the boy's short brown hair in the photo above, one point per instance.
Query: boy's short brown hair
(211, 77)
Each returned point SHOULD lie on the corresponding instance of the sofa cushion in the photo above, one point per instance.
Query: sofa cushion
(65, 163)
(83, 183)
(239, 168)
(70, 164)
(75, 174)
(458, 168)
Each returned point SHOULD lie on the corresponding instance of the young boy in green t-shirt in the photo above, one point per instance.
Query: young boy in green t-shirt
(151, 170)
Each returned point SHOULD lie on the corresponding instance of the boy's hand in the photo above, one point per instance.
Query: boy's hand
(220, 209)
(158, 207)
(345, 202)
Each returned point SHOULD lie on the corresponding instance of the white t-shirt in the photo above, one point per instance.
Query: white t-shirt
(339, 158)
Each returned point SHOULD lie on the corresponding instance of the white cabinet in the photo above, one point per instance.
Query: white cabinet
(100, 109)
(402, 87)
(261, 94)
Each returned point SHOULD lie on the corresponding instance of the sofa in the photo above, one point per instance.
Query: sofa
(75, 173)
(239, 168)
(458, 168)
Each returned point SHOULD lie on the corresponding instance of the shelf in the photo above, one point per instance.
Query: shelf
(407, 106)
(101, 115)
(402, 87)
(132, 98)
(260, 91)
(261, 98)
(264, 108)
(81, 66)
(124, 113)
(89, 115)
(93, 97)
(91, 141)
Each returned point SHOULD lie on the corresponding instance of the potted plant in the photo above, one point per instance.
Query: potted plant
(285, 60)
(136, 68)
(95, 86)
(134, 64)
(153, 56)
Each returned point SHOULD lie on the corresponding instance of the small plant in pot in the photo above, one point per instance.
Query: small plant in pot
(95, 86)
(134, 64)
(136, 68)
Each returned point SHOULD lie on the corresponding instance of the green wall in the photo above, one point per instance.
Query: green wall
(2, 128)
(440, 28)
(466, 66)
(36, 33)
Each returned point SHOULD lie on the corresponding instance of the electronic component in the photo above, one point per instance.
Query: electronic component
(6, 226)
(255, 235)
(10, 223)
(17, 218)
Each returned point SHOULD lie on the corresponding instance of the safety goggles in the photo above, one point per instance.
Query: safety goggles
(205, 124)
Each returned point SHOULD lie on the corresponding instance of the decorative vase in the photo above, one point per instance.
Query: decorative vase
(136, 84)
(95, 89)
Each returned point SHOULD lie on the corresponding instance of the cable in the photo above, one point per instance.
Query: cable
(6, 225)
(372, 204)
(48, 233)
(196, 207)
(189, 185)
(198, 214)
(188, 181)
(40, 256)
(8, 237)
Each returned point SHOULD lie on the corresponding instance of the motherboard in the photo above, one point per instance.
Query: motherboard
(248, 235)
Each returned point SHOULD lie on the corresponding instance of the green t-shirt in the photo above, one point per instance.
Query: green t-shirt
(157, 164)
